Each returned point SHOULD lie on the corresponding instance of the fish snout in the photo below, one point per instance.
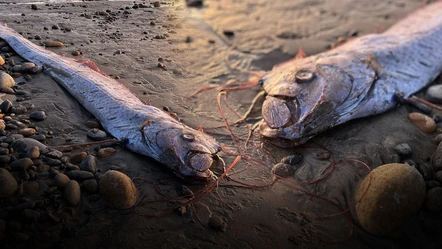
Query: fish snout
(280, 112)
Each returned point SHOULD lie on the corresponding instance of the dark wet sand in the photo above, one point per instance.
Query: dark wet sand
(265, 33)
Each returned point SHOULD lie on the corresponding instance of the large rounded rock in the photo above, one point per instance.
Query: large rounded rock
(72, 193)
(118, 189)
(6, 80)
(388, 196)
(8, 185)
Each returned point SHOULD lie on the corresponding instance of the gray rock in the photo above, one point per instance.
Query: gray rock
(96, 134)
(38, 115)
(6, 80)
(89, 164)
(426, 172)
(56, 154)
(90, 185)
(61, 180)
(72, 193)
(432, 184)
(5, 106)
(80, 175)
(434, 93)
(404, 150)
(433, 201)
(283, 170)
(21, 164)
(8, 184)
(24, 145)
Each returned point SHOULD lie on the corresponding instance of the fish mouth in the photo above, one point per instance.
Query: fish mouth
(281, 117)
(200, 164)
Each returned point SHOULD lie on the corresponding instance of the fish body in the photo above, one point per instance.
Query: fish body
(145, 129)
(360, 78)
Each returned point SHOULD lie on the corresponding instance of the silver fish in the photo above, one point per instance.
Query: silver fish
(358, 79)
(144, 129)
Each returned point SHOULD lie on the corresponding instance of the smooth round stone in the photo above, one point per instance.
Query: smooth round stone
(96, 134)
(43, 168)
(7, 90)
(80, 175)
(6, 80)
(423, 122)
(53, 44)
(31, 187)
(2, 124)
(61, 180)
(27, 132)
(25, 67)
(283, 170)
(105, 152)
(433, 200)
(78, 158)
(216, 222)
(90, 185)
(434, 93)
(93, 124)
(4, 159)
(8, 184)
(55, 154)
(432, 184)
(389, 200)
(24, 145)
(403, 150)
(38, 115)
(2, 61)
(6, 106)
(118, 189)
(72, 193)
(21, 164)
(34, 152)
(89, 164)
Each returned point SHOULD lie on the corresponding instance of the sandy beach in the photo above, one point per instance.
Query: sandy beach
(166, 51)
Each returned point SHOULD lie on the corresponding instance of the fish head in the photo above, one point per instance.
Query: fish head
(310, 95)
(187, 152)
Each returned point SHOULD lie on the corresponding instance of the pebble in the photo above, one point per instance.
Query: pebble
(27, 132)
(53, 44)
(90, 185)
(8, 184)
(404, 150)
(283, 170)
(89, 164)
(56, 154)
(105, 152)
(217, 223)
(43, 168)
(323, 156)
(21, 164)
(423, 122)
(93, 124)
(38, 115)
(80, 175)
(433, 200)
(5, 106)
(434, 93)
(6, 80)
(2, 61)
(61, 180)
(381, 212)
(4, 159)
(118, 189)
(24, 145)
(426, 172)
(25, 67)
(53, 162)
(2, 124)
(78, 158)
(31, 215)
(438, 138)
(7, 90)
(34, 7)
(72, 193)
(31, 187)
(432, 184)
(96, 134)
(438, 176)
(34, 152)
(293, 159)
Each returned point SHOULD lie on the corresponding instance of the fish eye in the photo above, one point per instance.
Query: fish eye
(303, 76)
(188, 137)
(261, 82)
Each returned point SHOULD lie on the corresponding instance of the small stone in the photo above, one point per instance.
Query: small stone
(156, 4)
(6, 80)
(43, 168)
(7, 90)
(433, 200)
(217, 223)
(55, 26)
(8, 184)
(423, 122)
(118, 189)
(80, 175)
(89, 164)
(72, 193)
(96, 134)
(90, 185)
(2, 124)
(105, 152)
(31, 215)
(2, 61)
(403, 150)
(438, 138)
(36, 70)
(323, 156)
(27, 132)
(54, 162)
(61, 180)
(426, 172)
(5, 159)
(381, 212)
(292, 159)
(5, 106)
(14, 225)
(78, 158)
(34, 152)
(38, 115)
(34, 7)
(283, 170)
(24, 145)
(434, 93)
(25, 67)
(53, 44)
(56, 154)
(76, 53)
(21, 164)
(31, 187)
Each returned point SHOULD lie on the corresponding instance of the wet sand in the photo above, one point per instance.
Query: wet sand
(194, 48)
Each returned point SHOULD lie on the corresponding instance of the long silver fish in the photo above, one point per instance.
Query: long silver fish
(144, 129)
(357, 79)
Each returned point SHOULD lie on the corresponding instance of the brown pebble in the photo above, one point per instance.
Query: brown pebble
(31, 187)
(105, 152)
(118, 189)
(2, 61)
(27, 132)
(7, 90)
(2, 125)
(76, 53)
(423, 122)
(72, 193)
(93, 124)
(217, 223)
(61, 180)
(78, 158)
(53, 44)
